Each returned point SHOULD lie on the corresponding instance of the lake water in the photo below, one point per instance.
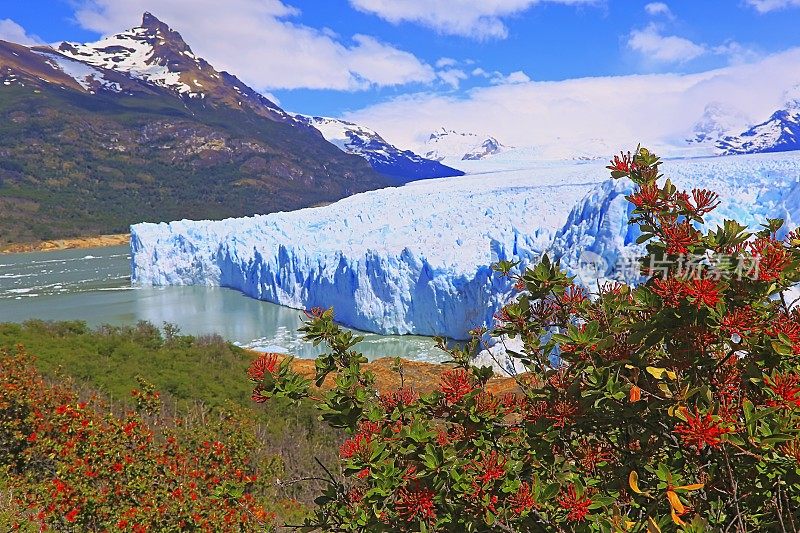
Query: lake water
(94, 285)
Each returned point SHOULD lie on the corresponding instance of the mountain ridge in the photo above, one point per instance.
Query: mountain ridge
(400, 165)
(92, 146)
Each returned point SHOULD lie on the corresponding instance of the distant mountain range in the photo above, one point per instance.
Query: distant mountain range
(445, 143)
(136, 127)
(400, 165)
(779, 133)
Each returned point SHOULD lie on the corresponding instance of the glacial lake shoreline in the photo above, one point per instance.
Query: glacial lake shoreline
(93, 285)
(53, 245)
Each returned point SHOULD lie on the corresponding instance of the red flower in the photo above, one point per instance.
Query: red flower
(646, 196)
(792, 449)
(502, 315)
(486, 402)
(592, 454)
(738, 322)
(455, 384)
(72, 515)
(267, 362)
(670, 290)
(412, 504)
(490, 468)
(771, 259)
(400, 398)
(787, 388)
(573, 296)
(622, 163)
(577, 506)
(704, 201)
(678, 237)
(788, 326)
(561, 412)
(704, 292)
(700, 431)
(315, 312)
(359, 446)
(522, 500)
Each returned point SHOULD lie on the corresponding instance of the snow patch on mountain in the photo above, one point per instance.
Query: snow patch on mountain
(135, 52)
(717, 121)
(779, 133)
(91, 79)
(451, 144)
(404, 165)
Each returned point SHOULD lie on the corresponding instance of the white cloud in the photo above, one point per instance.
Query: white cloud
(736, 52)
(658, 8)
(659, 48)
(257, 41)
(498, 78)
(443, 62)
(12, 32)
(514, 77)
(452, 77)
(621, 110)
(765, 6)
(480, 19)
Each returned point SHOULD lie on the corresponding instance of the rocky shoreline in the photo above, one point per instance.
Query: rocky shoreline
(68, 244)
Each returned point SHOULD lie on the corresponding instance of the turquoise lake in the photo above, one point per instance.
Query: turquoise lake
(94, 285)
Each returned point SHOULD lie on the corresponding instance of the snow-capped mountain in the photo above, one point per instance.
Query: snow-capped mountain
(156, 54)
(489, 147)
(780, 133)
(389, 160)
(161, 134)
(717, 122)
(446, 143)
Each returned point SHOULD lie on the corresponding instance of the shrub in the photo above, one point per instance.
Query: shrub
(72, 466)
(672, 405)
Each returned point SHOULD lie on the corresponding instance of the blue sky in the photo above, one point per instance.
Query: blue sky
(372, 59)
(546, 41)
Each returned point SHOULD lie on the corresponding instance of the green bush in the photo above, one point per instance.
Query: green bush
(672, 405)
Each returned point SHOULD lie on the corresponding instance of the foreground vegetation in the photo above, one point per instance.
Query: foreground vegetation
(673, 405)
(59, 403)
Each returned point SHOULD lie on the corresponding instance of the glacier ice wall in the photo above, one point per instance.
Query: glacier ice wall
(416, 259)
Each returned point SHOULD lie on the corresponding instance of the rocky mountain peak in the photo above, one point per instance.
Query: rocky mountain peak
(151, 22)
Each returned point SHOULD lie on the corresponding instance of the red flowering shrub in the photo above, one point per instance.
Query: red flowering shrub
(72, 466)
(672, 405)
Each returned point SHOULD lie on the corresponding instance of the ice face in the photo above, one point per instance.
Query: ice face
(416, 259)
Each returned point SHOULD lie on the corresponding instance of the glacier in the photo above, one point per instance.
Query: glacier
(416, 259)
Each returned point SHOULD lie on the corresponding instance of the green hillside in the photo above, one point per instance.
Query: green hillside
(75, 164)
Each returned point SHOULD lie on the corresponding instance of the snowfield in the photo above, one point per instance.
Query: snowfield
(416, 259)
